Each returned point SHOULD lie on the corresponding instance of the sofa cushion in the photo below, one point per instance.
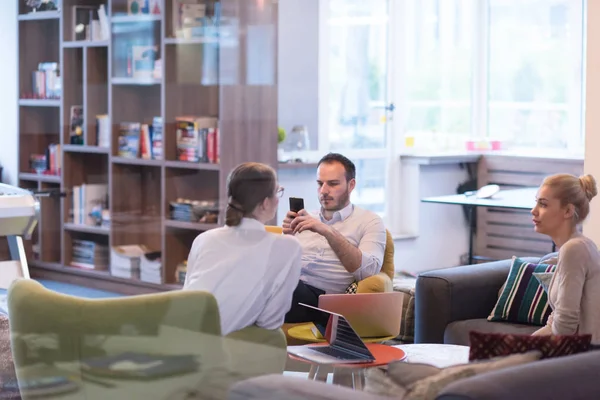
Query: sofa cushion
(523, 299)
(458, 332)
(489, 345)
(408, 381)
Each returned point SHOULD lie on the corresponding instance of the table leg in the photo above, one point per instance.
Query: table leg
(314, 369)
(17, 253)
(343, 377)
(471, 233)
(358, 377)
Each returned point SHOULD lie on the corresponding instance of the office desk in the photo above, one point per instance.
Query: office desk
(520, 199)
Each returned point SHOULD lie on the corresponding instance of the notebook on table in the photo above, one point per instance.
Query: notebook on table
(130, 365)
(344, 344)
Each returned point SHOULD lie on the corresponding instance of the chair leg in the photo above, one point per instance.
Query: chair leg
(17, 253)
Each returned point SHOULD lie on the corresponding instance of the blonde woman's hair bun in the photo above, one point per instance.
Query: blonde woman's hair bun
(588, 183)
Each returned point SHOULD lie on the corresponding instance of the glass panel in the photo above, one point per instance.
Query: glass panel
(370, 184)
(357, 74)
(535, 85)
(439, 58)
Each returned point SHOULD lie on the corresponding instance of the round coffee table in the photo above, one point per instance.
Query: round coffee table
(383, 356)
(438, 355)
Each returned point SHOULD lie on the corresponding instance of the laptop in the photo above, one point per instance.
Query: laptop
(372, 315)
(345, 346)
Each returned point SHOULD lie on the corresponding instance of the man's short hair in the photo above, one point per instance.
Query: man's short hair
(345, 161)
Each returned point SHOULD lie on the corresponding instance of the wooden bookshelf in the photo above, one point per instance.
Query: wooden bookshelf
(96, 76)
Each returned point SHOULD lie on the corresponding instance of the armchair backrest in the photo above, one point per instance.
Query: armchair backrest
(37, 311)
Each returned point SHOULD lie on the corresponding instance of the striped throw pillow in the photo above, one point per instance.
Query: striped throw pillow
(523, 300)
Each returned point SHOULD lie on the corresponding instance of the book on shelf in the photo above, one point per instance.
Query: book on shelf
(156, 138)
(197, 139)
(129, 139)
(53, 159)
(151, 267)
(89, 200)
(45, 82)
(137, 140)
(134, 261)
(88, 254)
(125, 261)
(145, 143)
(143, 58)
(189, 17)
(103, 130)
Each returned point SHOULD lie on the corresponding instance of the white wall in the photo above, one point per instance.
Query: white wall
(592, 117)
(443, 231)
(9, 92)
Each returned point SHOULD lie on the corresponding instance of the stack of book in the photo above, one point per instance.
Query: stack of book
(197, 139)
(125, 261)
(90, 255)
(151, 268)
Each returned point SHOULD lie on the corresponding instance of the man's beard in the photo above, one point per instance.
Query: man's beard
(339, 204)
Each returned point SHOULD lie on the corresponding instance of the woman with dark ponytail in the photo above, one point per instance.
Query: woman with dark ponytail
(252, 273)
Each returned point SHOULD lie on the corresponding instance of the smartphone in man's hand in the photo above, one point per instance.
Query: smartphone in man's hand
(296, 204)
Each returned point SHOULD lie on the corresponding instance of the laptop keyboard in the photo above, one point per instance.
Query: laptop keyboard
(339, 354)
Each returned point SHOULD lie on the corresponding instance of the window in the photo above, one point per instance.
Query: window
(438, 59)
(535, 72)
(456, 70)
(357, 93)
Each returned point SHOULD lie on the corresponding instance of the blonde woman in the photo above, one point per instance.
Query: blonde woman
(563, 202)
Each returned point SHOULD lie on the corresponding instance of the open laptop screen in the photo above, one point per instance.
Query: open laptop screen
(338, 332)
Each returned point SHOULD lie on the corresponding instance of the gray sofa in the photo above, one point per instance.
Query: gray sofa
(566, 378)
(451, 302)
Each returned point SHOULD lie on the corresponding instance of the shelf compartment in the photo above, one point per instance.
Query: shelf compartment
(38, 42)
(96, 94)
(79, 169)
(187, 184)
(178, 244)
(73, 83)
(133, 104)
(135, 46)
(50, 226)
(101, 239)
(38, 129)
(136, 216)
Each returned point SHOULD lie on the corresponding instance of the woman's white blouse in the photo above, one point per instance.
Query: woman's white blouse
(251, 272)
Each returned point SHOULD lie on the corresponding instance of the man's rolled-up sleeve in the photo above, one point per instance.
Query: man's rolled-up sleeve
(372, 247)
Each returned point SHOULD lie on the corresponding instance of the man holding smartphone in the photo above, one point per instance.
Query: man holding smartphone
(341, 244)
